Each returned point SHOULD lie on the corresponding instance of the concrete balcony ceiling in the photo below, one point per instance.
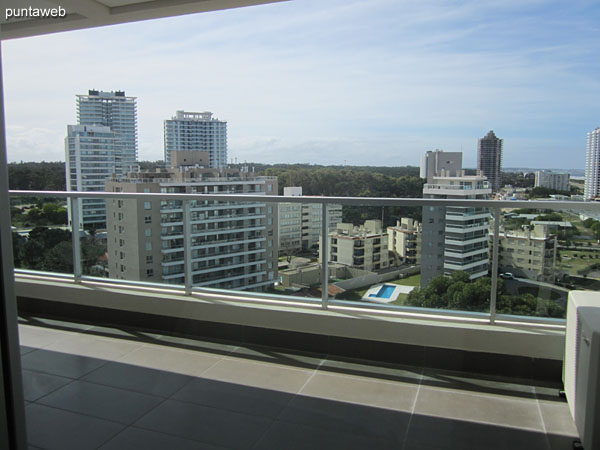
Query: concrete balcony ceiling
(82, 14)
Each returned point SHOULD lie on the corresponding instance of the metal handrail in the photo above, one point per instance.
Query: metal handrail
(493, 205)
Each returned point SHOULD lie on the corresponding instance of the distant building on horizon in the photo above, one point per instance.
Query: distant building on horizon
(196, 131)
(489, 159)
(552, 180)
(592, 165)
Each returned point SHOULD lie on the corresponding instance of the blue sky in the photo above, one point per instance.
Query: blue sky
(375, 82)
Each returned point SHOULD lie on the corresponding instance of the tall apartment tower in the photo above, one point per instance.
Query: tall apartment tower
(115, 110)
(454, 238)
(232, 245)
(196, 131)
(90, 155)
(592, 165)
(489, 159)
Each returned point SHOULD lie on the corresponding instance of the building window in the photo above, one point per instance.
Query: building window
(149, 272)
(147, 205)
(122, 268)
(121, 242)
(148, 219)
(120, 216)
(122, 255)
(148, 246)
(148, 232)
(149, 259)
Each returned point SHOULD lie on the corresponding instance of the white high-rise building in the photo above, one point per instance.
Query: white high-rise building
(90, 155)
(196, 131)
(117, 111)
(552, 180)
(454, 238)
(592, 165)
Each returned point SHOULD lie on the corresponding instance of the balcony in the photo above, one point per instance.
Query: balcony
(116, 388)
(459, 360)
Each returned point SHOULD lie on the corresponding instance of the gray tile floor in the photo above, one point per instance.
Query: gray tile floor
(98, 388)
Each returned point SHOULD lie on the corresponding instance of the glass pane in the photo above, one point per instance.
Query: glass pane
(532, 263)
(299, 226)
(41, 234)
(424, 257)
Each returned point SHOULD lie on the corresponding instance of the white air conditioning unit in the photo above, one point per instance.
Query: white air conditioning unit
(581, 370)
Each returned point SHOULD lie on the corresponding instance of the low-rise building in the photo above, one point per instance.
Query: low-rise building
(552, 180)
(364, 247)
(404, 240)
(528, 253)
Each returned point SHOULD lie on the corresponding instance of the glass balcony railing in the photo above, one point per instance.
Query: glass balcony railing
(506, 269)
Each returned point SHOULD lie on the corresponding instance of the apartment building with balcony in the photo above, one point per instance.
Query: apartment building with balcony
(300, 223)
(91, 156)
(119, 112)
(552, 180)
(364, 247)
(196, 131)
(232, 245)
(456, 237)
(529, 253)
(404, 240)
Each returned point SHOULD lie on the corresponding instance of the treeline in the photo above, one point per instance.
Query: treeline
(343, 181)
(37, 176)
(399, 171)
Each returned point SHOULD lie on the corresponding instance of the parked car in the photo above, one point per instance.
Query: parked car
(507, 276)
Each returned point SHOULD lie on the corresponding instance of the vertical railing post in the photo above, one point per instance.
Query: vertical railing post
(324, 256)
(187, 246)
(495, 258)
(75, 206)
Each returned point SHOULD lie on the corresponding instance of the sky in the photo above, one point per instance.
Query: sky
(369, 82)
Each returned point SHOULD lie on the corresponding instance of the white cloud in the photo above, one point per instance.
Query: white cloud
(371, 81)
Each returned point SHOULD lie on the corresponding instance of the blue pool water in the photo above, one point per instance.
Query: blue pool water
(384, 292)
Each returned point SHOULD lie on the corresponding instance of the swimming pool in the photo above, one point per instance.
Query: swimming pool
(384, 292)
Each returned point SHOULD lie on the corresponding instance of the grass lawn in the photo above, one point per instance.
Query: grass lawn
(414, 280)
(574, 263)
